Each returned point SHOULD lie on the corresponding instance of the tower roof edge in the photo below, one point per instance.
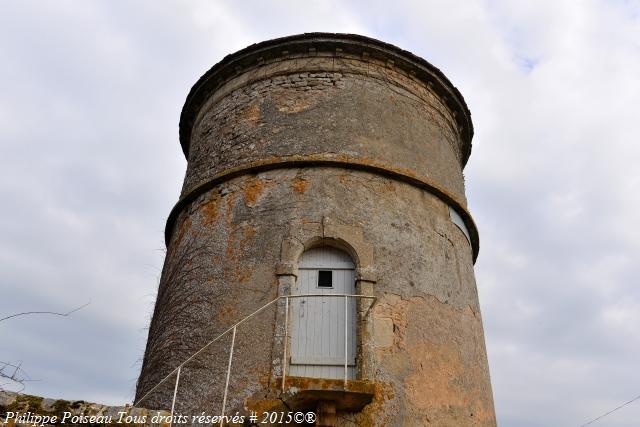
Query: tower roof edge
(308, 44)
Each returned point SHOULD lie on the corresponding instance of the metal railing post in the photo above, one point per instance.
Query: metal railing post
(175, 393)
(285, 353)
(346, 342)
(286, 337)
(226, 385)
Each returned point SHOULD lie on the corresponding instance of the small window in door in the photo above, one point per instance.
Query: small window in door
(325, 279)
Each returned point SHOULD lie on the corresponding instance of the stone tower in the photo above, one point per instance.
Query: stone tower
(324, 185)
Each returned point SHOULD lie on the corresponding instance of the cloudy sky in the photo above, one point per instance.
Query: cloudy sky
(90, 96)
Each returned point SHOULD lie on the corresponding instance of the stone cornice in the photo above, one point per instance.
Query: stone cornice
(326, 45)
(325, 161)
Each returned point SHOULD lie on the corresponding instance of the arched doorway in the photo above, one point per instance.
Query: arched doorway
(318, 322)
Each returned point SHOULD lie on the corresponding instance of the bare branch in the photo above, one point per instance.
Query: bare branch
(47, 312)
(14, 373)
(17, 377)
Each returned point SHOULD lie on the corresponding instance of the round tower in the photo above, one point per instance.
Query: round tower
(320, 257)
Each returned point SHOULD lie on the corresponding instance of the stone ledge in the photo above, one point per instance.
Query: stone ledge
(303, 394)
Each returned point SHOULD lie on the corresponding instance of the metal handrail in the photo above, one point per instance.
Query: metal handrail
(204, 348)
(233, 328)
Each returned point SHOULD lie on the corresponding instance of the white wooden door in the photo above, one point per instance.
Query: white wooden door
(318, 323)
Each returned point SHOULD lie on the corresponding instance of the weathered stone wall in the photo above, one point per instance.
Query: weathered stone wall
(28, 406)
(342, 115)
(320, 144)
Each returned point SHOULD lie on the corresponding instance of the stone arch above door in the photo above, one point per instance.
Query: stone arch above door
(327, 233)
